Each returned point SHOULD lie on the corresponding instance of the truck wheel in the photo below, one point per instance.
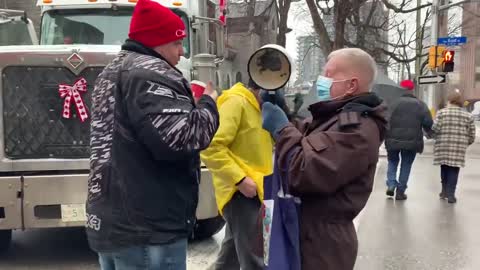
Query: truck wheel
(5, 239)
(206, 228)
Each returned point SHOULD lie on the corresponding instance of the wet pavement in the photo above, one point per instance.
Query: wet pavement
(67, 249)
(422, 233)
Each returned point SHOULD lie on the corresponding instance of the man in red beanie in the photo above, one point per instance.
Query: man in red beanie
(146, 136)
(409, 118)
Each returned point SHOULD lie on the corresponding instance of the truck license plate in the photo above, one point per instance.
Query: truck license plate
(73, 212)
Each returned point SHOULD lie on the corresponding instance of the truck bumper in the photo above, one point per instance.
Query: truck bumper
(10, 205)
(51, 201)
(43, 201)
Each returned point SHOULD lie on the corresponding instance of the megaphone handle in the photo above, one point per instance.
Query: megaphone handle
(273, 100)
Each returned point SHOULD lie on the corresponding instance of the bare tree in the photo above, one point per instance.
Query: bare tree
(283, 29)
(365, 24)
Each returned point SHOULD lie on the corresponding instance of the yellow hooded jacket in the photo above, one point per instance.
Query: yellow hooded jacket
(241, 147)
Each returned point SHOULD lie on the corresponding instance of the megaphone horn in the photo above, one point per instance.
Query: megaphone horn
(270, 67)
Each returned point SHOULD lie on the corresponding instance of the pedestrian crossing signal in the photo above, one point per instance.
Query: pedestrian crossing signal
(448, 61)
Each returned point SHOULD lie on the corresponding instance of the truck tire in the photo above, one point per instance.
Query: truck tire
(206, 228)
(5, 239)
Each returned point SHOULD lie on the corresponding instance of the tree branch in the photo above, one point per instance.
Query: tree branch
(320, 29)
(401, 9)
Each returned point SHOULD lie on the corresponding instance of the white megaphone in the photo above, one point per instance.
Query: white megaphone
(270, 67)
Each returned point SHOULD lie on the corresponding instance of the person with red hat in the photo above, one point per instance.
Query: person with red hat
(407, 84)
(409, 119)
(146, 136)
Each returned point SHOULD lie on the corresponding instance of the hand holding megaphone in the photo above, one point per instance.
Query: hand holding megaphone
(275, 97)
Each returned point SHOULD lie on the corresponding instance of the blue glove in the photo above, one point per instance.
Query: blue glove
(274, 119)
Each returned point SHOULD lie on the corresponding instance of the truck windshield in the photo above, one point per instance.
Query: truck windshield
(91, 26)
(14, 33)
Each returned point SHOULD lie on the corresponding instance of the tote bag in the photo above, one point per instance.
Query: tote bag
(280, 220)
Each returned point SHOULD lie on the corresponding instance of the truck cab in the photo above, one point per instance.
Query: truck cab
(44, 157)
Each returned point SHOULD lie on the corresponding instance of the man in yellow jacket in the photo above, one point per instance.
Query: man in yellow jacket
(239, 156)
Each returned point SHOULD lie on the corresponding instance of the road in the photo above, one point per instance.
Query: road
(422, 233)
(67, 249)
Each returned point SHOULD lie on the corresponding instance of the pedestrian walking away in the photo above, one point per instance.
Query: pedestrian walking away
(408, 121)
(332, 157)
(146, 136)
(454, 131)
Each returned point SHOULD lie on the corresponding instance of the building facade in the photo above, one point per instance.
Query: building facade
(469, 62)
(247, 34)
(310, 59)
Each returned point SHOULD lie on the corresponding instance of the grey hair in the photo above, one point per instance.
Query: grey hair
(360, 59)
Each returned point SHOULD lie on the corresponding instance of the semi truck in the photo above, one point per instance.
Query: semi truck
(44, 157)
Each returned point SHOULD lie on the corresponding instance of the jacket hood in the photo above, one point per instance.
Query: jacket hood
(239, 89)
(368, 104)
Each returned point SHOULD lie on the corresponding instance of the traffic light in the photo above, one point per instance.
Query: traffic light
(448, 61)
(436, 56)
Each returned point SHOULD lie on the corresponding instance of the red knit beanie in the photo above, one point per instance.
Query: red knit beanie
(407, 84)
(153, 24)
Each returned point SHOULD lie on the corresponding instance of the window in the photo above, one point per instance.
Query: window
(217, 79)
(92, 26)
(14, 33)
(477, 80)
(227, 83)
(238, 77)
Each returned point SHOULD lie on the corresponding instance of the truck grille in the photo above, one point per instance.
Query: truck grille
(33, 125)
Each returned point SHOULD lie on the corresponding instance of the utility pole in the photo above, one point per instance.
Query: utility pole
(419, 46)
(434, 38)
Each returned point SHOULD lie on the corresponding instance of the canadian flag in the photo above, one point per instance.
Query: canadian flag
(223, 10)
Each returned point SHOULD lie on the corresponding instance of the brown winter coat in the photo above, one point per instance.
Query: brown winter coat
(334, 157)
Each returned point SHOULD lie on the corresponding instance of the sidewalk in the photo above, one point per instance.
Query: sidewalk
(423, 232)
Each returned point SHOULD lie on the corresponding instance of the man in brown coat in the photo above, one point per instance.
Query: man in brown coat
(333, 157)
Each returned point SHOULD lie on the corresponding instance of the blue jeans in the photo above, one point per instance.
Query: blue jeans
(393, 157)
(161, 257)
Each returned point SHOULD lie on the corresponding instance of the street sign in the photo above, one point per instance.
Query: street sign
(432, 79)
(452, 41)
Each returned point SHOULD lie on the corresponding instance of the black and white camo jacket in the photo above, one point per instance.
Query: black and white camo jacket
(146, 135)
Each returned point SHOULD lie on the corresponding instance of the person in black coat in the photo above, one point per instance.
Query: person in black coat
(409, 118)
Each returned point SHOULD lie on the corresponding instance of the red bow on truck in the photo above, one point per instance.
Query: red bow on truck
(67, 92)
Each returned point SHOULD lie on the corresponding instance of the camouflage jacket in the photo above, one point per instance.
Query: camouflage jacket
(146, 135)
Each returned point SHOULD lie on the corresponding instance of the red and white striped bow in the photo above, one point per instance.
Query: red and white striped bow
(67, 92)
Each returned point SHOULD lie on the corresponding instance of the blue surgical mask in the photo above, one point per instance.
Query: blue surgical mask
(324, 84)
